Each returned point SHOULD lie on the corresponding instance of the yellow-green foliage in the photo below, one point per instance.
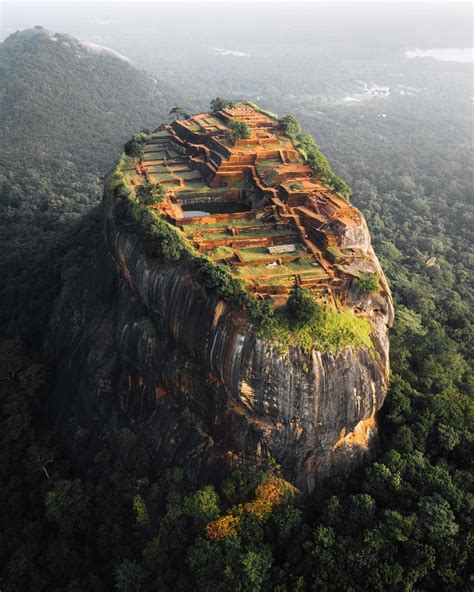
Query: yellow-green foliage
(116, 179)
(326, 330)
(270, 494)
(202, 504)
(141, 510)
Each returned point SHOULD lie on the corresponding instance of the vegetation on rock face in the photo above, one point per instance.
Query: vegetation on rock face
(313, 326)
(367, 283)
(312, 155)
(150, 195)
(301, 306)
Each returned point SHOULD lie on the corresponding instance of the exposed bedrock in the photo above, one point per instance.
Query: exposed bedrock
(141, 345)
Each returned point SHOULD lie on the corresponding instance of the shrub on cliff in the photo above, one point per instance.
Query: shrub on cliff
(134, 147)
(216, 277)
(301, 306)
(313, 156)
(261, 311)
(367, 283)
(161, 239)
(290, 126)
(150, 195)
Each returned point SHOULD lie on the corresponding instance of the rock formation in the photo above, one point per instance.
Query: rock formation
(141, 344)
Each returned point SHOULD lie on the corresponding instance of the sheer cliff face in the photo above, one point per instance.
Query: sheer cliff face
(141, 345)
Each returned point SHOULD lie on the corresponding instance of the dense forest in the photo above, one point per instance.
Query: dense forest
(403, 522)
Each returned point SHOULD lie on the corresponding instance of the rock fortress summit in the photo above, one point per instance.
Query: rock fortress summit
(235, 312)
(254, 205)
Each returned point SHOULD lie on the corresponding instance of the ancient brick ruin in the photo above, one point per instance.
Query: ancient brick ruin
(252, 204)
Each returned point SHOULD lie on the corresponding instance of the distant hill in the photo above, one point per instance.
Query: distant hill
(62, 98)
(66, 108)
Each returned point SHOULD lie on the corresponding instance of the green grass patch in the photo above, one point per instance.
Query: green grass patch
(277, 271)
(152, 156)
(224, 224)
(221, 253)
(160, 177)
(157, 154)
(268, 231)
(156, 168)
(304, 264)
(178, 168)
(189, 174)
(326, 330)
(254, 253)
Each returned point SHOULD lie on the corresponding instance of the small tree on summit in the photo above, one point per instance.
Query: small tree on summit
(218, 104)
(178, 112)
(134, 147)
(239, 130)
(290, 126)
(301, 306)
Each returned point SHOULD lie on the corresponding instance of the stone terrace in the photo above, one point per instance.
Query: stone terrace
(236, 200)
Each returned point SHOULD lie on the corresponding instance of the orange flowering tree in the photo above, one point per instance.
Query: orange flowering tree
(269, 495)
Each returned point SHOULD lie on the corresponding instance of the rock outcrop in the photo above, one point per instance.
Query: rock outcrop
(141, 345)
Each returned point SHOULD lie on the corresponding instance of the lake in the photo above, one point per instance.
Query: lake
(444, 54)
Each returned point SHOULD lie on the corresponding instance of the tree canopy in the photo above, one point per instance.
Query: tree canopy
(240, 130)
